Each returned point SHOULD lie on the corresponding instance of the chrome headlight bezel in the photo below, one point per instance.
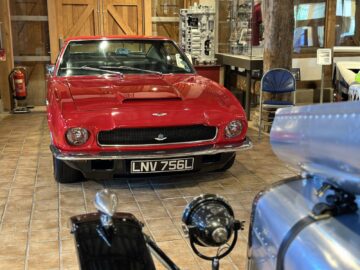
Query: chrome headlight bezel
(77, 136)
(233, 129)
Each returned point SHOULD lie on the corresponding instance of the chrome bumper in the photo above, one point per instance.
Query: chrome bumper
(194, 151)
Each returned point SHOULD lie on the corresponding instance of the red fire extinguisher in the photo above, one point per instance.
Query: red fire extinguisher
(17, 80)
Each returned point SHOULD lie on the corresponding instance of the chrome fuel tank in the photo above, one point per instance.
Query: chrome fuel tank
(288, 231)
(332, 243)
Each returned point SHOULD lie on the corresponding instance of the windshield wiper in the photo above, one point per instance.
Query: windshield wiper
(95, 69)
(135, 69)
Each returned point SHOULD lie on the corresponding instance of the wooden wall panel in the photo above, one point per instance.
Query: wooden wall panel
(34, 33)
(167, 29)
(97, 17)
(28, 7)
(124, 17)
(5, 67)
(77, 17)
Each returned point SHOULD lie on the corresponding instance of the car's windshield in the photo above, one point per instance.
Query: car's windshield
(97, 57)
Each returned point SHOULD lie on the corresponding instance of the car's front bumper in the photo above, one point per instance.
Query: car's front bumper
(129, 155)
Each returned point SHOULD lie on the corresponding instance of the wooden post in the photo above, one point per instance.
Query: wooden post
(53, 34)
(278, 33)
(7, 66)
(357, 23)
(330, 37)
(147, 18)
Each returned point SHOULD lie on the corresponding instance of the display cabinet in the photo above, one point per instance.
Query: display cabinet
(197, 33)
(241, 27)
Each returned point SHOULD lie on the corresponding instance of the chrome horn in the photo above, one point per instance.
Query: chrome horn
(106, 203)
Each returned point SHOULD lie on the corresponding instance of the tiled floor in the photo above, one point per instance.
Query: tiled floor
(35, 210)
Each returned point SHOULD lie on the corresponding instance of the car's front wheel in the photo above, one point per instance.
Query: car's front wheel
(228, 165)
(65, 174)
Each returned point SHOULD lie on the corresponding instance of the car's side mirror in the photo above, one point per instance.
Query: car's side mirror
(50, 69)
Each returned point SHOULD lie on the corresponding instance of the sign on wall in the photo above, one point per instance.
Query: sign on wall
(324, 57)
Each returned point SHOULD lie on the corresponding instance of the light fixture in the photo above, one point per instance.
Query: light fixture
(77, 136)
(209, 222)
(233, 129)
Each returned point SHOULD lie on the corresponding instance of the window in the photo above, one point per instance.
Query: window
(347, 23)
(309, 24)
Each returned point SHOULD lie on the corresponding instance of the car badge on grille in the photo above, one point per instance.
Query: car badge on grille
(159, 114)
(160, 138)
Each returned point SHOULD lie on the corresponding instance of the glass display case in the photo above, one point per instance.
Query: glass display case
(244, 27)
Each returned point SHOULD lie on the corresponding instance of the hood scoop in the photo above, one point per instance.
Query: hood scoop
(151, 94)
(135, 100)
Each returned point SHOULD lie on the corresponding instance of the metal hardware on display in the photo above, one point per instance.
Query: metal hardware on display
(338, 202)
(209, 222)
(197, 33)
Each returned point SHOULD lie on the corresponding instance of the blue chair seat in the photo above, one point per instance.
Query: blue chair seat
(278, 102)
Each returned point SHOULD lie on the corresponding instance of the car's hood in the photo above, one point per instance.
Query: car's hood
(104, 93)
(111, 93)
(183, 99)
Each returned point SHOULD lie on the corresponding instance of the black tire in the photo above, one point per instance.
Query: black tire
(64, 174)
(228, 165)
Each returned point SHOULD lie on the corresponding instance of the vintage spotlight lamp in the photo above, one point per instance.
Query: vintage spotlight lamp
(209, 222)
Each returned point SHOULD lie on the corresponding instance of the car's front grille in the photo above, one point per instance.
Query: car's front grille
(157, 135)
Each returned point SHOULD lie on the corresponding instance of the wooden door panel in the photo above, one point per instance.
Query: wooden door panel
(96, 17)
(123, 17)
(77, 17)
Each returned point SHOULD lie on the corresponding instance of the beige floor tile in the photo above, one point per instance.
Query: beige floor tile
(13, 250)
(41, 262)
(12, 263)
(44, 235)
(44, 224)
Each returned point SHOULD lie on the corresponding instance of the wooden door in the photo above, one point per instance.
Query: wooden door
(123, 17)
(77, 18)
(68, 18)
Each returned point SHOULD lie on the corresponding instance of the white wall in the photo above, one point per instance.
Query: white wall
(310, 71)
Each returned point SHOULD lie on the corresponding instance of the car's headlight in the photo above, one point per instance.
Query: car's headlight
(233, 129)
(77, 136)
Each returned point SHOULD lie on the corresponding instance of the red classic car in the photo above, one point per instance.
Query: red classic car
(121, 106)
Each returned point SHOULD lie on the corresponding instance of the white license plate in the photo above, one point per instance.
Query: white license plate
(162, 165)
